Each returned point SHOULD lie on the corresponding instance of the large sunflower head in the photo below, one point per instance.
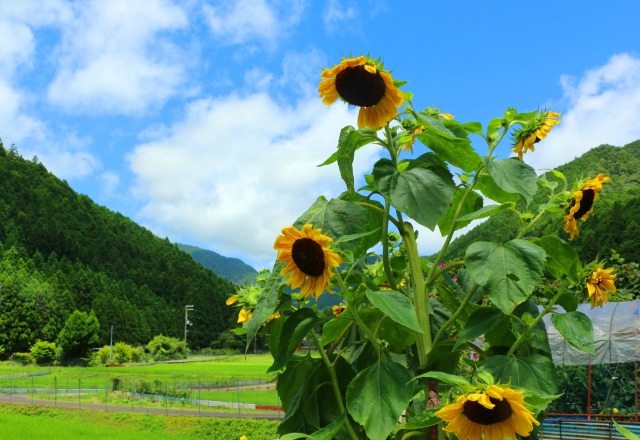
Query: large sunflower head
(361, 81)
(582, 203)
(599, 282)
(309, 262)
(534, 132)
(497, 412)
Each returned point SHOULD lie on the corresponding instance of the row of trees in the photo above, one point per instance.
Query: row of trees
(79, 336)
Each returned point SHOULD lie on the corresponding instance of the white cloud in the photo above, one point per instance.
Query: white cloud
(238, 169)
(245, 21)
(115, 57)
(63, 153)
(603, 107)
(337, 15)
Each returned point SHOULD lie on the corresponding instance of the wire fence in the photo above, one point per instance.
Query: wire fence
(244, 397)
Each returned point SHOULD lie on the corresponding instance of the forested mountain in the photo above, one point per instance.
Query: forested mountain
(232, 269)
(60, 252)
(615, 222)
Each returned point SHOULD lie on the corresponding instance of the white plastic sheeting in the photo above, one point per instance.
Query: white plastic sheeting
(616, 335)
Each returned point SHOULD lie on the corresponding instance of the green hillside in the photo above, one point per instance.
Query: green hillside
(60, 252)
(615, 222)
(232, 269)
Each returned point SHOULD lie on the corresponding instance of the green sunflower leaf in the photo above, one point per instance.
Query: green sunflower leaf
(625, 432)
(291, 334)
(472, 127)
(535, 372)
(339, 218)
(513, 176)
(333, 328)
(508, 271)
(396, 306)
(350, 140)
(494, 125)
(480, 321)
(487, 186)
(423, 419)
(576, 328)
(455, 150)
(472, 203)
(423, 192)
(562, 258)
(486, 211)
(450, 379)
(267, 303)
(377, 396)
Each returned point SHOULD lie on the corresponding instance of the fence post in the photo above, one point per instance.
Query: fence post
(79, 388)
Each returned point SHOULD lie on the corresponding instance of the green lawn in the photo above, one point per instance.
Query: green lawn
(19, 421)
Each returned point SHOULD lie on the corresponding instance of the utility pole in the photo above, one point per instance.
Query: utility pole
(186, 319)
(111, 346)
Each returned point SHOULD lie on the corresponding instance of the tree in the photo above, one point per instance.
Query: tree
(79, 333)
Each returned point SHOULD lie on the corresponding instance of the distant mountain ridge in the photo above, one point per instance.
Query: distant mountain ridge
(232, 269)
(60, 252)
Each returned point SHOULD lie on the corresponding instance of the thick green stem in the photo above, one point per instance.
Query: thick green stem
(334, 383)
(385, 248)
(547, 309)
(420, 298)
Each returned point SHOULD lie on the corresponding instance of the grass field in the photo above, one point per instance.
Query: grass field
(35, 422)
(229, 368)
(227, 379)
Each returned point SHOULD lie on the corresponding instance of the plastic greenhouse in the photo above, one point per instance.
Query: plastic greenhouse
(616, 338)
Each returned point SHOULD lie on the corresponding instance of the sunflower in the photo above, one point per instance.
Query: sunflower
(497, 413)
(409, 145)
(308, 259)
(244, 316)
(360, 82)
(599, 282)
(527, 138)
(338, 309)
(582, 204)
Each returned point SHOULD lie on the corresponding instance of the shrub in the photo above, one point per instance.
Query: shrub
(164, 348)
(23, 358)
(136, 354)
(121, 353)
(44, 353)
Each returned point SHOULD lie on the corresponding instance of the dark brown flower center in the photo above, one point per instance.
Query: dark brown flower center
(360, 87)
(308, 256)
(485, 416)
(586, 203)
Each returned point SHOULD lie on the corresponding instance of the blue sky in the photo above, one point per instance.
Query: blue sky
(200, 120)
